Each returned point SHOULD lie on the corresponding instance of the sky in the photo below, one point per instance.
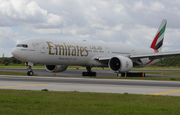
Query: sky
(131, 22)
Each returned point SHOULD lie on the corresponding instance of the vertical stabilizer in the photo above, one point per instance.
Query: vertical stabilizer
(159, 37)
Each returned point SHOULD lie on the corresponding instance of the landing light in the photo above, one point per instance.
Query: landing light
(97, 58)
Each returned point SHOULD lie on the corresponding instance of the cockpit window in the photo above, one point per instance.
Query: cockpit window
(22, 45)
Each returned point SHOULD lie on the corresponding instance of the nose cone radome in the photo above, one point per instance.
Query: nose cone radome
(16, 52)
(13, 52)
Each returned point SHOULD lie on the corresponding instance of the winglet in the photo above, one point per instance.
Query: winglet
(159, 37)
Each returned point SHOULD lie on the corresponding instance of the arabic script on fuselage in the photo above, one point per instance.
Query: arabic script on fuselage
(95, 48)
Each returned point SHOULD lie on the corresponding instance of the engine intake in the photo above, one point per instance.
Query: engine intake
(120, 64)
(56, 68)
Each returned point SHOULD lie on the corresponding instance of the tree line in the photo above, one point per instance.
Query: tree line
(170, 61)
(6, 61)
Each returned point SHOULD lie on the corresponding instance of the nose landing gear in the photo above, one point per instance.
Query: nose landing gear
(30, 71)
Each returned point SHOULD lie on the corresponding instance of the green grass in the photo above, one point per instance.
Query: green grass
(46, 102)
(11, 65)
(14, 73)
(154, 68)
(164, 73)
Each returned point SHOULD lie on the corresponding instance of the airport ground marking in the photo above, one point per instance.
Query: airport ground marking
(166, 92)
(64, 84)
(23, 85)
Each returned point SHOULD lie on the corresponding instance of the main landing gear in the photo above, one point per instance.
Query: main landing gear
(89, 72)
(30, 71)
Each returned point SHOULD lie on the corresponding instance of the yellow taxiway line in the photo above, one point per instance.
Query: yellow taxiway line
(167, 92)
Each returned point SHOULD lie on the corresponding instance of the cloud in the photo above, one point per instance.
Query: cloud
(124, 22)
(139, 6)
(157, 6)
(21, 10)
(154, 6)
(5, 32)
(99, 26)
(117, 27)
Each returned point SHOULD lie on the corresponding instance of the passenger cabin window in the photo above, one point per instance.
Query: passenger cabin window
(22, 45)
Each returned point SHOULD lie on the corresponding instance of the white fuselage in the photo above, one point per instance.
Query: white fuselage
(49, 51)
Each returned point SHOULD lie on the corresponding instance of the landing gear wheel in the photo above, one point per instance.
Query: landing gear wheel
(89, 72)
(93, 73)
(84, 74)
(30, 73)
(119, 74)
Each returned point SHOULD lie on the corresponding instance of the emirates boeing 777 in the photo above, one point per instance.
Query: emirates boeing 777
(58, 54)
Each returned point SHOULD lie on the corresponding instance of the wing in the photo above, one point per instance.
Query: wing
(158, 55)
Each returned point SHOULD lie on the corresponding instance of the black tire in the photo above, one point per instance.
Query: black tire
(30, 73)
(83, 73)
(93, 73)
(89, 74)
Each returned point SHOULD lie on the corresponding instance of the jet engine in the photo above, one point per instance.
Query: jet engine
(56, 68)
(120, 64)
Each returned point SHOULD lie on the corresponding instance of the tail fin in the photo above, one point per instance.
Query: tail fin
(158, 39)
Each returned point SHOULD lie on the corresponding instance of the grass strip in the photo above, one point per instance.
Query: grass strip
(164, 73)
(40, 67)
(14, 73)
(24, 102)
(154, 68)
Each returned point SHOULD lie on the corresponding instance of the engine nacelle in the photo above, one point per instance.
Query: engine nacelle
(120, 64)
(56, 68)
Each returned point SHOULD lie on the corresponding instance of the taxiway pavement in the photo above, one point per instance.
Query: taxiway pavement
(71, 80)
(146, 87)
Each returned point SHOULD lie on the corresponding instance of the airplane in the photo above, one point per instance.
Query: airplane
(57, 54)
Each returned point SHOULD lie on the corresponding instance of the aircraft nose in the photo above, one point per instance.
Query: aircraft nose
(13, 52)
(16, 52)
